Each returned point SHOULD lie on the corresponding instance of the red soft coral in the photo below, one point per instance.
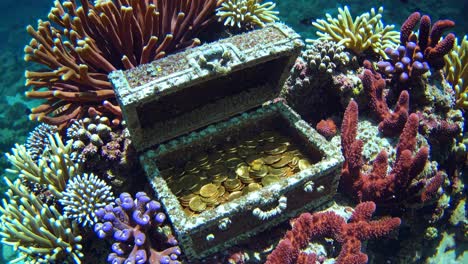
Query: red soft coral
(329, 224)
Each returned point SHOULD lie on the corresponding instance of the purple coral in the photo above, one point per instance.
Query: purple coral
(418, 53)
(406, 63)
(136, 225)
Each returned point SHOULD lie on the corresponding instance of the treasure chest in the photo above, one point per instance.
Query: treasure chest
(225, 156)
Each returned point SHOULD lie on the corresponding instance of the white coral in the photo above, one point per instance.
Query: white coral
(84, 195)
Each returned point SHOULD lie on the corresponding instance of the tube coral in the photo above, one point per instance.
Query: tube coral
(53, 169)
(245, 14)
(81, 43)
(456, 71)
(137, 226)
(365, 32)
(36, 229)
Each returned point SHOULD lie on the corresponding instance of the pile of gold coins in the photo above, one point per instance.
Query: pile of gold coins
(228, 171)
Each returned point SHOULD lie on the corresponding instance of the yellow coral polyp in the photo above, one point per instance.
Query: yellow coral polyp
(456, 71)
(246, 13)
(37, 230)
(366, 31)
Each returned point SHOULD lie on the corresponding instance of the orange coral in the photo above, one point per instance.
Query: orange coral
(82, 42)
(326, 128)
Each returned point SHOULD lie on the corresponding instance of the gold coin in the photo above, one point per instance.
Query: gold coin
(256, 165)
(253, 187)
(187, 181)
(208, 190)
(233, 163)
(197, 187)
(280, 172)
(203, 176)
(294, 162)
(279, 149)
(218, 179)
(247, 180)
(261, 172)
(196, 204)
(184, 200)
(285, 160)
(303, 164)
(252, 158)
(242, 171)
(268, 135)
(244, 152)
(271, 159)
(230, 147)
(269, 179)
(232, 184)
(250, 144)
(217, 170)
(295, 152)
(221, 191)
(222, 199)
(234, 195)
(210, 201)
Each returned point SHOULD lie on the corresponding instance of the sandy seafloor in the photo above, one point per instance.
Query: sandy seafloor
(16, 14)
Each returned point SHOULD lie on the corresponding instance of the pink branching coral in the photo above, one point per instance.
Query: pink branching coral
(349, 234)
(401, 184)
(392, 122)
(82, 42)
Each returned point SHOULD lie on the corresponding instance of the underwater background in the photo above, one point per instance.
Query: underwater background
(440, 224)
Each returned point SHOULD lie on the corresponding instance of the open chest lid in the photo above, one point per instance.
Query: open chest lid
(188, 90)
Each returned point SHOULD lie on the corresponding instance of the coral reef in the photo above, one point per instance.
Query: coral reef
(246, 14)
(38, 140)
(417, 53)
(37, 230)
(327, 92)
(103, 149)
(83, 196)
(82, 43)
(428, 39)
(53, 169)
(349, 234)
(137, 226)
(57, 189)
(325, 56)
(402, 184)
(405, 63)
(437, 130)
(391, 122)
(89, 135)
(366, 32)
(456, 71)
